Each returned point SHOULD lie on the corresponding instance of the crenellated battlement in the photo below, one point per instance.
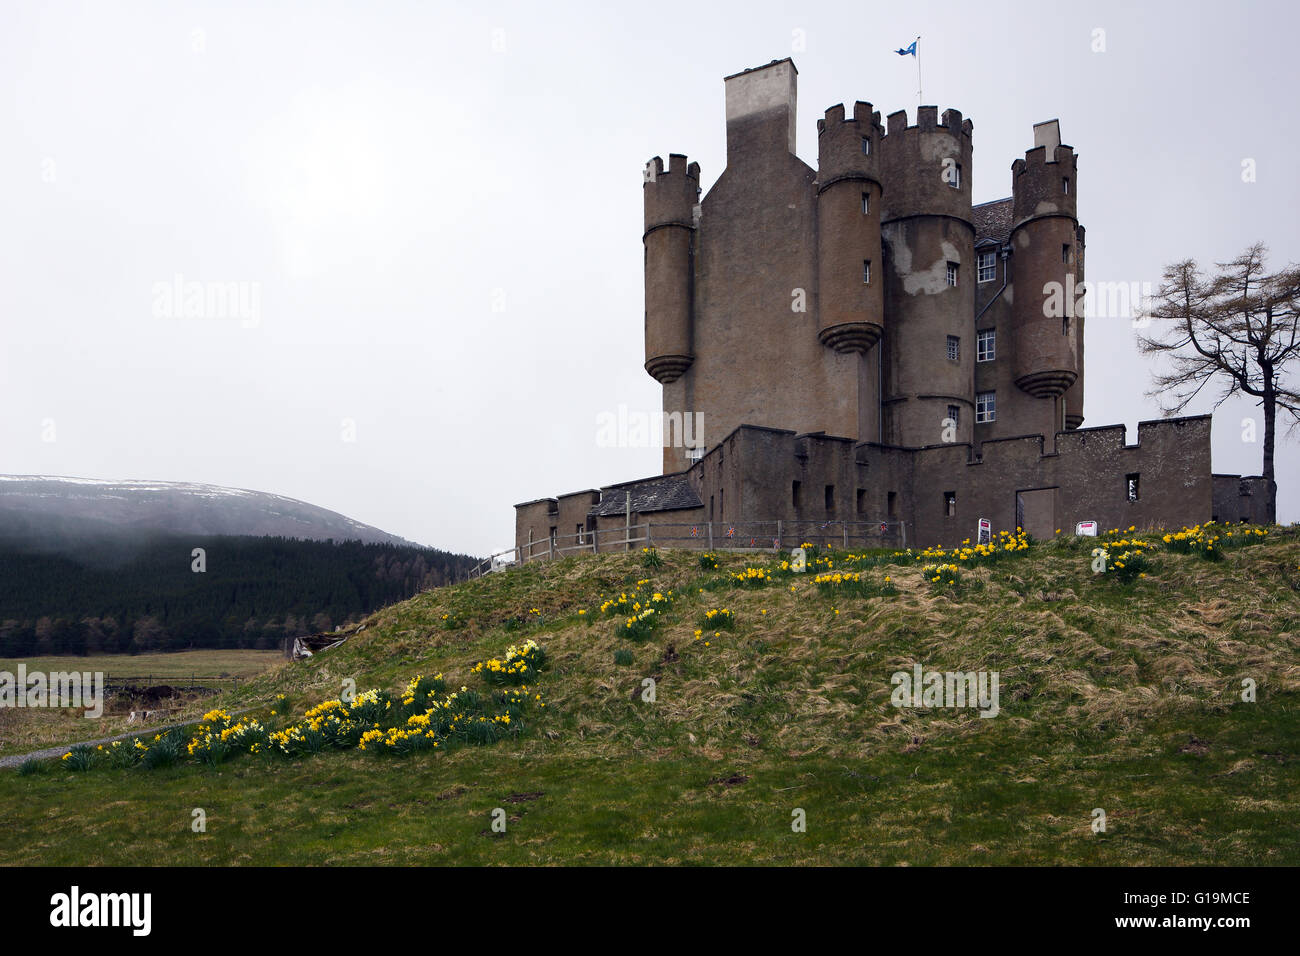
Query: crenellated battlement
(928, 120)
(1037, 158)
(1045, 183)
(864, 118)
(927, 167)
(670, 194)
(848, 147)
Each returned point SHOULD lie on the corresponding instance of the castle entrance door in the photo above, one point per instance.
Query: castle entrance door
(1036, 512)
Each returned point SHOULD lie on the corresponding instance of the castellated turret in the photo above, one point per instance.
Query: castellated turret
(670, 198)
(929, 277)
(1046, 242)
(850, 280)
(867, 298)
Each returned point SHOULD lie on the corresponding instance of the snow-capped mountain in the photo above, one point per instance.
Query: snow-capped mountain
(47, 509)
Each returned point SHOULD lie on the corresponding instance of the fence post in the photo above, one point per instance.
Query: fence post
(778, 530)
(844, 525)
(648, 542)
(710, 535)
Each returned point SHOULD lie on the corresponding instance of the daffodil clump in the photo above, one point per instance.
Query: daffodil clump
(420, 688)
(837, 581)
(633, 602)
(853, 584)
(650, 558)
(1003, 544)
(752, 578)
(706, 637)
(709, 561)
(1210, 540)
(1124, 566)
(424, 717)
(218, 736)
(519, 666)
(940, 576)
(718, 619)
(641, 625)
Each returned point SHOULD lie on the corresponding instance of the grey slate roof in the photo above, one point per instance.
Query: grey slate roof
(992, 219)
(666, 493)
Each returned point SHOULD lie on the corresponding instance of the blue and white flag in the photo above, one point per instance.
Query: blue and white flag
(911, 49)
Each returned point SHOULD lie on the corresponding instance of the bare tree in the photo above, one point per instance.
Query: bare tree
(1240, 329)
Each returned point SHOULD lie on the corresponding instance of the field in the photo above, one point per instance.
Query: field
(23, 730)
(1118, 695)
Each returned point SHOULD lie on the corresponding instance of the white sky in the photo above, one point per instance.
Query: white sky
(379, 170)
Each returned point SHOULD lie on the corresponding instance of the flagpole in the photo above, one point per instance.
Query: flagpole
(918, 72)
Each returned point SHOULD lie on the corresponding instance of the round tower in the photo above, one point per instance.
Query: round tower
(1074, 394)
(850, 277)
(670, 197)
(929, 247)
(1045, 243)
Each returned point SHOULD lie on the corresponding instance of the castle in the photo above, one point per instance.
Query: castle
(867, 349)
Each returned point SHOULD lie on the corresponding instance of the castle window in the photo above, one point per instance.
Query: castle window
(954, 348)
(952, 273)
(862, 501)
(955, 179)
(1065, 184)
(950, 504)
(985, 407)
(1131, 486)
(988, 267)
(1065, 252)
(830, 497)
(582, 539)
(953, 413)
(1065, 325)
(985, 345)
(866, 271)
(866, 146)
(866, 204)
(795, 496)
(554, 530)
(893, 503)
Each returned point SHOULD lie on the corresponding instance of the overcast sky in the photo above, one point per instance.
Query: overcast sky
(433, 214)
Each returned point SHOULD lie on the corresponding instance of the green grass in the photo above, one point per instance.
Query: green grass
(1119, 696)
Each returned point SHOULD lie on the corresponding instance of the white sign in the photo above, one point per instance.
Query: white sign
(1087, 529)
(985, 535)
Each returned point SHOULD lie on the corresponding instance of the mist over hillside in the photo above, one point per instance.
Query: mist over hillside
(57, 513)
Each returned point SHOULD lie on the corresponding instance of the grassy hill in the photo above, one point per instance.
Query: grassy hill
(1119, 695)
